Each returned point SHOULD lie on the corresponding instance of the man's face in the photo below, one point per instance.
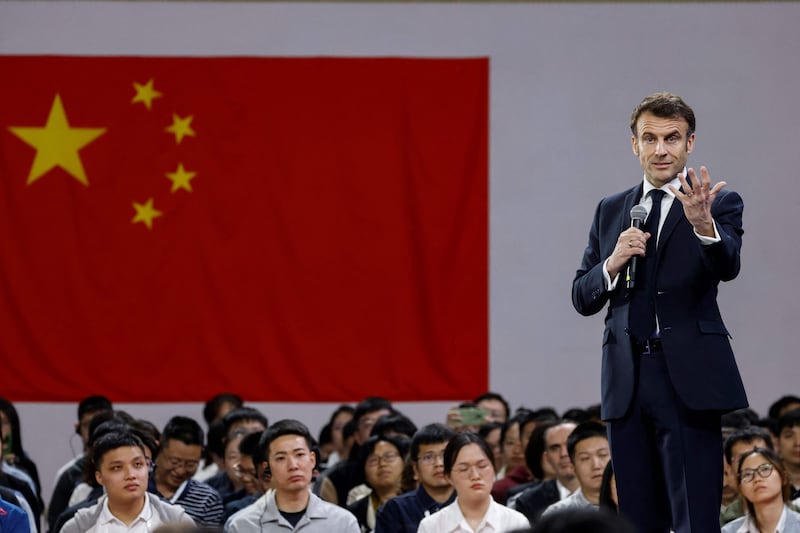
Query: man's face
(429, 466)
(591, 457)
(291, 463)
(366, 422)
(495, 410)
(556, 450)
(123, 473)
(177, 462)
(246, 472)
(83, 426)
(663, 146)
(789, 445)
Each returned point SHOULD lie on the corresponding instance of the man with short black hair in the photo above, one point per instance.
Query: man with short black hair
(177, 460)
(588, 451)
(403, 513)
(121, 468)
(290, 462)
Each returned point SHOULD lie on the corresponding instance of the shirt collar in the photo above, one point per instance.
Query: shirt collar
(675, 183)
(106, 517)
(429, 504)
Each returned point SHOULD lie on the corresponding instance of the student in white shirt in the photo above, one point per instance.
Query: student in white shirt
(764, 488)
(469, 467)
(122, 469)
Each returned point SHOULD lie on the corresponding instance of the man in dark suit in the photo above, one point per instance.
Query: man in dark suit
(668, 371)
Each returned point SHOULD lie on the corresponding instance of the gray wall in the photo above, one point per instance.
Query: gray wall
(564, 78)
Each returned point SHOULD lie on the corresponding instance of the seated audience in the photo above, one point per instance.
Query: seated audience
(122, 471)
(469, 466)
(589, 453)
(403, 513)
(787, 428)
(291, 506)
(381, 458)
(764, 486)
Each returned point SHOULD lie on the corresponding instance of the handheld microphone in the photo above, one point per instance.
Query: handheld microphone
(638, 216)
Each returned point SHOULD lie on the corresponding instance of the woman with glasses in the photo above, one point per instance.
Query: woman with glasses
(381, 459)
(469, 467)
(764, 488)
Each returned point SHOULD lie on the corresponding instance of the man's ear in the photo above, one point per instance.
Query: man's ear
(635, 146)
(266, 472)
(98, 478)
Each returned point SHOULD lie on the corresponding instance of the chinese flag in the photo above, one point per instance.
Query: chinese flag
(291, 229)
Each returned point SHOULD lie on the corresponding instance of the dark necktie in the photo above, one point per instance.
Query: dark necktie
(642, 319)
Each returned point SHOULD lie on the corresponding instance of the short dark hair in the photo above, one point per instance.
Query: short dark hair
(583, 431)
(215, 438)
(577, 415)
(183, 429)
(112, 440)
(249, 445)
(430, 434)
(747, 435)
(536, 447)
(369, 405)
(344, 408)
(281, 428)
(460, 440)
(212, 406)
(519, 419)
(780, 404)
(394, 423)
(241, 414)
(147, 432)
(93, 404)
(494, 396)
(663, 105)
(787, 420)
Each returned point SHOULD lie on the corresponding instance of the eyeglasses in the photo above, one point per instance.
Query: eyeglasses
(464, 469)
(186, 464)
(430, 458)
(241, 471)
(388, 458)
(763, 471)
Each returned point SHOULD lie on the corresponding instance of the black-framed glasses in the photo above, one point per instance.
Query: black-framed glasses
(241, 471)
(763, 471)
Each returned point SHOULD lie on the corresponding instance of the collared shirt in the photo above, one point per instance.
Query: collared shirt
(563, 491)
(320, 517)
(497, 519)
(402, 514)
(789, 522)
(576, 500)
(108, 523)
(200, 501)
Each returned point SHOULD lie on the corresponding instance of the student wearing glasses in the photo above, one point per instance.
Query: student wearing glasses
(764, 488)
(177, 461)
(404, 513)
(381, 459)
(469, 467)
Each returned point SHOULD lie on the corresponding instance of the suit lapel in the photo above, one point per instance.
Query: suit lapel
(673, 217)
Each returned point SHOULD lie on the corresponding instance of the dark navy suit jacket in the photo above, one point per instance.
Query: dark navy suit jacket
(694, 338)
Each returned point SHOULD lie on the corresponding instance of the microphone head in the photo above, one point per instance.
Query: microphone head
(639, 212)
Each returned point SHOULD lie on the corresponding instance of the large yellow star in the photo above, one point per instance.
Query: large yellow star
(57, 144)
(181, 127)
(145, 213)
(181, 178)
(145, 94)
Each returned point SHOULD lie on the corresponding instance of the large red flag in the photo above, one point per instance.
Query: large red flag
(292, 229)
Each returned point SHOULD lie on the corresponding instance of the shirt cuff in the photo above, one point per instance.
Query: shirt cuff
(705, 240)
(612, 284)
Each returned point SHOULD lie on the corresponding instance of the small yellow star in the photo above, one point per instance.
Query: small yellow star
(57, 144)
(181, 127)
(145, 93)
(181, 178)
(145, 213)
